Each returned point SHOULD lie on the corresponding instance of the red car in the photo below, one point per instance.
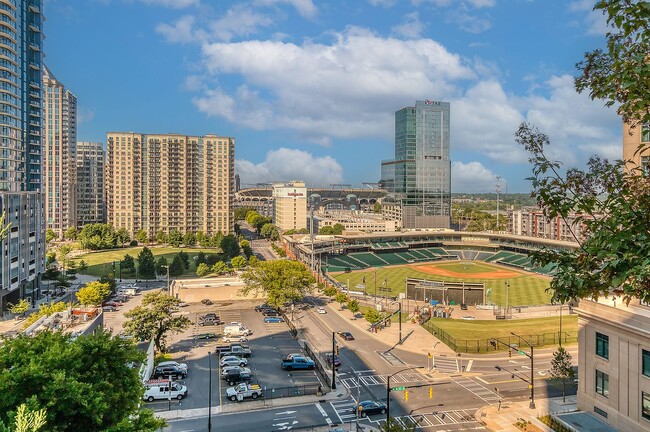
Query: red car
(112, 303)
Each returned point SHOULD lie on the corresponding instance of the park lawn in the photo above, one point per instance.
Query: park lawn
(525, 290)
(100, 263)
(479, 330)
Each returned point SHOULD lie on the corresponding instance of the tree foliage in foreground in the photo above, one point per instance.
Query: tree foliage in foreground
(82, 383)
(612, 199)
(154, 319)
(281, 281)
(26, 420)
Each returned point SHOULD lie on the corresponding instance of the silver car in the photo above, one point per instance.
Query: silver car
(233, 361)
(234, 369)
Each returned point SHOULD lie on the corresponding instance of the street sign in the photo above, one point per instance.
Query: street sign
(521, 353)
(398, 388)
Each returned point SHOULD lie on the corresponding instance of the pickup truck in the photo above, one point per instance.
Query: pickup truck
(236, 350)
(297, 362)
(235, 377)
(243, 391)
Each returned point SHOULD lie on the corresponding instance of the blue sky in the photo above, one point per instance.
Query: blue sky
(309, 88)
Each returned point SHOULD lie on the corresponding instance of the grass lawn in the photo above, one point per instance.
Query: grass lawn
(100, 263)
(525, 289)
(533, 329)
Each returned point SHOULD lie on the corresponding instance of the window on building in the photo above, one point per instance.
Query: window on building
(645, 405)
(645, 362)
(645, 133)
(602, 345)
(602, 383)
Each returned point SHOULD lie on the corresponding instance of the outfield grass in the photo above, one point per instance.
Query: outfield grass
(525, 289)
(101, 263)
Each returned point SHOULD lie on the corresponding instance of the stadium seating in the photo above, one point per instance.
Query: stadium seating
(499, 256)
(395, 258)
(369, 259)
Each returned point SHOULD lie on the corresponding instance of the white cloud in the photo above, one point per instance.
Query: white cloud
(471, 177)
(411, 26)
(469, 22)
(384, 3)
(305, 8)
(239, 20)
(291, 164)
(349, 88)
(176, 4)
(482, 3)
(594, 21)
(180, 32)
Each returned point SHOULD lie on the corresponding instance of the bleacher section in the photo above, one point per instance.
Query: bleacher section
(483, 256)
(499, 255)
(394, 258)
(369, 258)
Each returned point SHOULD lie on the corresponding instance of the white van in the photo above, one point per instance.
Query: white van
(236, 330)
(127, 291)
(159, 389)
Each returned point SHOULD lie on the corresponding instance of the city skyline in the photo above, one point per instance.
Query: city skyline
(310, 88)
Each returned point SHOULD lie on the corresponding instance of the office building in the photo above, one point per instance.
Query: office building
(419, 176)
(165, 182)
(23, 250)
(91, 197)
(59, 163)
(290, 205)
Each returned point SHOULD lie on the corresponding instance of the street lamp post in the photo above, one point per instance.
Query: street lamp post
(210, 393)
(388, 391)
(532, 369)
(333, 362)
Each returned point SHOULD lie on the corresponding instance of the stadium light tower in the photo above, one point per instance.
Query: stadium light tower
(498, 191)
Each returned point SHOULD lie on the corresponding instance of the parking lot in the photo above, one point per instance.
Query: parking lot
(270, 342)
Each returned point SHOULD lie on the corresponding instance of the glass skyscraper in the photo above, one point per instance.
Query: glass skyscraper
(419, 177)
(21, 78)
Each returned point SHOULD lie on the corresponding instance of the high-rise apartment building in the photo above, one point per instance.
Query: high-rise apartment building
(59, 163)
(290, 205)
(170, 181)
(91, 197)
(419, 177)
(22, 257)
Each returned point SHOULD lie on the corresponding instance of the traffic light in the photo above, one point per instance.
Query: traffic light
(497, 368)
(406, 395)
(509, 353)
(337, 350)
(430, 392)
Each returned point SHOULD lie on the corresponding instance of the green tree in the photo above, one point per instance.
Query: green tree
(123, 236)
(330, 291)
(161, 265)
(71, 233)
(241, 212)
(45, 309)
(154, 319)
(127, 264)
(376, 208)
(94, 293)
(50, 235)
(199, 258)
(146, 264)
(303, 231)
(83, 265)
(230, 246)
(561, 369)
(253, 260)
(326, 230)
(26, 420)
(175, 238)
(353, 305)
(63, 256)
(176, 268)
(110, 280)
(372, 316)
(142, 237)
(238, 262)
(281, 281)
(200, 237)
(81, 382)
(19, 308)
(50, 257)
(337, 229)
(97, 237)
(202, 269)
(212, 259)
(216, 239)
(185, 259)
(189, 239)
(219, 268)
(161, 237)
(341, 298)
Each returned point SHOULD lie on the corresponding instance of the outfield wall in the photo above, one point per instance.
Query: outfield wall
(445, 292)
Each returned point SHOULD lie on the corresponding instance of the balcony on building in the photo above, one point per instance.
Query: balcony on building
(34, 84)
(36, 94)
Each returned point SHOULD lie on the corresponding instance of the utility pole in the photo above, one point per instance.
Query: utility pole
(210, 393)
(399, 315)
(532, 368)
(333, 362)
(498, 190)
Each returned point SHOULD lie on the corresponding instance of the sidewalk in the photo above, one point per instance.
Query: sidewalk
(503, 417)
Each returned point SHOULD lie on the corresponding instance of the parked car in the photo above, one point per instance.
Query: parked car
(183, 304)
(369, 407)
(298, 363)
(206, 302)
(228, 369)
(160, 389)
(182, 366)
(207, 336)
(290, 357)
(113, 303)
(321, 310)
(109, 309)
(209, 322)
(274, 319)
(209, 315)
(260, 308)
(236, 377)
(233, 338)
(270, 312)
(168, 371)
(346, 335)
(328, 359)
(234, 350)
(233, 361)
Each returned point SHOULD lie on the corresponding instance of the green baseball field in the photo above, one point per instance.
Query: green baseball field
(523, 288)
